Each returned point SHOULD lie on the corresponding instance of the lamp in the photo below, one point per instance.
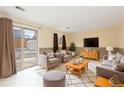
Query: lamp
(109, 49)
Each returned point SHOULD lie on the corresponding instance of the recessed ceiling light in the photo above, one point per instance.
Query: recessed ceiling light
(20, 8)
(67, 27)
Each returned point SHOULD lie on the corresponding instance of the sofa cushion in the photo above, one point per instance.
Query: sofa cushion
(53, 60)
(50, 55)
(120, 67)
(122, 59)
(107, 62)
(67, 56)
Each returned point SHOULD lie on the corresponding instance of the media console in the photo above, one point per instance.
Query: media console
(90, 54)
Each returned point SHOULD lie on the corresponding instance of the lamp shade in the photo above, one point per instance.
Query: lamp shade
(109, 48)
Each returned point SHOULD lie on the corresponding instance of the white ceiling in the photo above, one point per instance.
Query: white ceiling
(78, 18)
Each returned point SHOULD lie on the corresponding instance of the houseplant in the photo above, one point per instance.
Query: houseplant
(72, 48)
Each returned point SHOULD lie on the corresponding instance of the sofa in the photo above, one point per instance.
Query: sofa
(108, 73)
(112, 66)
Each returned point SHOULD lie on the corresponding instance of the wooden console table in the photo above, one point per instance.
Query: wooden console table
(90, 54)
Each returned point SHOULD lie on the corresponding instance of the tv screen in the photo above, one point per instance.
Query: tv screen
(91, 42)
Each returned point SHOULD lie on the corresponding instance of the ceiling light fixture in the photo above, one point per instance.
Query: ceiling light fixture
(20, 8)
(67, 27)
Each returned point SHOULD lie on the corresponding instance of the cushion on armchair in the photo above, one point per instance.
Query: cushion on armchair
(67, 56)
(53, 60)
(50, 55)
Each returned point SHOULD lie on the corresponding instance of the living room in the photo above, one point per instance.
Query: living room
(62, 36)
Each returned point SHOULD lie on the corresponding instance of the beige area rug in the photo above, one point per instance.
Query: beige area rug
(87, 78)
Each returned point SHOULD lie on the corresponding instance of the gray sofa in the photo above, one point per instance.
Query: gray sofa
(108, 73)
(110, 68)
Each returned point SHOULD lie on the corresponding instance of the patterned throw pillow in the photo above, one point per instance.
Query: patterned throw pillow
(118, 56)
(112, 58)
(117, 59)
(50, 55)
(44, 52)
(114, 81)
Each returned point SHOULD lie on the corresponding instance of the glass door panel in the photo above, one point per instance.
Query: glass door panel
(30, 48)
(25, 41)
(17, 34)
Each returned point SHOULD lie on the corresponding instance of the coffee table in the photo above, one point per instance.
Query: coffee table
(77, 68)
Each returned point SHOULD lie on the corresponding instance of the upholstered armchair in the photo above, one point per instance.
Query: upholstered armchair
(65, 57)
(49, 63)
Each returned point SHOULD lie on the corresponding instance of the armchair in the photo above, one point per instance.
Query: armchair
(65, 58)
(49, 63)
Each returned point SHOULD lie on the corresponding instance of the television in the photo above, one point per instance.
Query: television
(91, 42)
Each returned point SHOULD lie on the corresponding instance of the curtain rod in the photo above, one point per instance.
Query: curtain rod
(27, 24)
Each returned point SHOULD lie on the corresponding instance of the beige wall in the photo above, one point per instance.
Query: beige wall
(45, 34)
(121, 35)
(107, 37)
(46, 37)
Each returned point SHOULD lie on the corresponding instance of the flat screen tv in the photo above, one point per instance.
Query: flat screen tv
(91, 42)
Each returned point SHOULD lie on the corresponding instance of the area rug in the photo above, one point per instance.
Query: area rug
(87, 77)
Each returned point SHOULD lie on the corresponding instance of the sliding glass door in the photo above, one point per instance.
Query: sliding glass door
(25, 47)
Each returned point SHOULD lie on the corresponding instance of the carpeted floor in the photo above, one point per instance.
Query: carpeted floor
(87, 78)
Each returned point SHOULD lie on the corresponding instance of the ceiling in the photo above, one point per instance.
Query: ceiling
(69, 18)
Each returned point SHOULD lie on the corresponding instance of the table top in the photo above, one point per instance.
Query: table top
(84, 63)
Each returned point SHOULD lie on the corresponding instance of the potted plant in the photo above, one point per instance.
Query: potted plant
(72, 48)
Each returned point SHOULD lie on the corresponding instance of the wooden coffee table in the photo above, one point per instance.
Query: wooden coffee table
(77, 68)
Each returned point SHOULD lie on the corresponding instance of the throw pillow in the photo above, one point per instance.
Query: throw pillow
(122, 60)
(114, 81)
(118, 56)
(120, 67)
(117, 59)
(112, 57)
(50, 55)
(44, 52)
(115, 62)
